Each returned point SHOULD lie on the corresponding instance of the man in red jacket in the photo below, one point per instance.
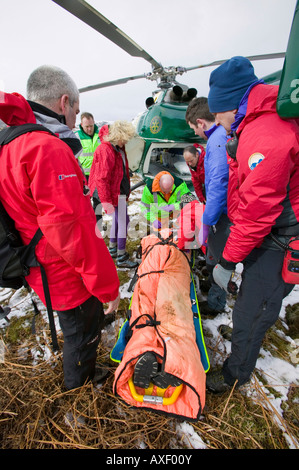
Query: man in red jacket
(194, 157)
(42, 185)
(263, 201)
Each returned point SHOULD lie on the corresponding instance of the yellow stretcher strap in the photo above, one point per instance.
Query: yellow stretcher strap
(158, 399)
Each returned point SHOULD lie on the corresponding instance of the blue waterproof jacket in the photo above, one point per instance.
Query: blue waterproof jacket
(216, 175)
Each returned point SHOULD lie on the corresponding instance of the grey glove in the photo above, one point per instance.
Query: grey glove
(223, 277)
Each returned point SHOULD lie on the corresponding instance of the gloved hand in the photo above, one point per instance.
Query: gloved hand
(168, 208)
(157, 224)
(223, 276)
(203, 235)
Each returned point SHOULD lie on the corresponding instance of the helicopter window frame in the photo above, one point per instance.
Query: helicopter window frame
(165, 145)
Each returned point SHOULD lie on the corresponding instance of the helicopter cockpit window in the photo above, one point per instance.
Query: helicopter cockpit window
(168, 159)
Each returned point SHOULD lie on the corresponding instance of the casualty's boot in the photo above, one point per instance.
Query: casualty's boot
(164, 380)
(145, 368)
(123, 261)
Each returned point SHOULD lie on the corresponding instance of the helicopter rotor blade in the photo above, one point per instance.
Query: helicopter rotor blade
(93, 18)
(110, 83)
(276, 55)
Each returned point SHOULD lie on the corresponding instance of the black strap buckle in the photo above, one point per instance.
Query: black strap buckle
(232, 146)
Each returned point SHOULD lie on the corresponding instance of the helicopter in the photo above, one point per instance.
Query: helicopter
(162, 131)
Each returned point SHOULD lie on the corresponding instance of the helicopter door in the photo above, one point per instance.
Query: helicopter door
(134, 149)
(166, 156)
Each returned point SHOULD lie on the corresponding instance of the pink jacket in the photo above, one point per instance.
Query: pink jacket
(107, 171)
(42, 186)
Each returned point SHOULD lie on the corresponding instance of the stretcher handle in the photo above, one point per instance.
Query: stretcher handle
(158, 399)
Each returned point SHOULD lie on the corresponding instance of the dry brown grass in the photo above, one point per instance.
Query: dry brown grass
(33, 405)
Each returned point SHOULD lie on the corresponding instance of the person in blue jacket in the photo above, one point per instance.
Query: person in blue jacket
(215, 223)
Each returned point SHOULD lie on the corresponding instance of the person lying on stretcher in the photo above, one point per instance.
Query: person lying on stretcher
(186, 228)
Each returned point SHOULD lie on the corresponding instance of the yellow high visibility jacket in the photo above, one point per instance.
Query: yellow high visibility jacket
(89, 144)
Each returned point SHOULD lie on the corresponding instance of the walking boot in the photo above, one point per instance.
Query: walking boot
(145, 368)
(113, 251)
(204, 285)
(123, 261)
(225, 331)
(102, 372)
(205, 309)
(164, 380)
(215, 382)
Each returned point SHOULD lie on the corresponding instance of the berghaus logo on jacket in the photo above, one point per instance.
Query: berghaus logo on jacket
(63, 177)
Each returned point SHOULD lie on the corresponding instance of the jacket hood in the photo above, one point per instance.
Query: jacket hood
(15, 110)
(103, 132)
(262, 99)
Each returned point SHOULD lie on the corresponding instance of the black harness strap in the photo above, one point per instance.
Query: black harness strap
(163, 241)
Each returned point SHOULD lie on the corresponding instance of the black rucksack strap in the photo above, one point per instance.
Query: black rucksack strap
(49, 309)
(10, 133)
(36, 238)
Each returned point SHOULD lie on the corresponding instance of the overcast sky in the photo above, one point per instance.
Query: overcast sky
(174, 32)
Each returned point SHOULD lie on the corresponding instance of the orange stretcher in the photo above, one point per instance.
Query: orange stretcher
(161, 320)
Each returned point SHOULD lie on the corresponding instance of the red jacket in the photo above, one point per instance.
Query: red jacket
(189, 224)
(107, 171)
(42, 186)
(263, 189)
(198, 175)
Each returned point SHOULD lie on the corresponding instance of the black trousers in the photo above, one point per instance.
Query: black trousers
(97, 207)
(256, 309)
(216, 243)
(81, 328)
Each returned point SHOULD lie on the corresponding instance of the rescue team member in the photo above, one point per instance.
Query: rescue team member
(42, 186)
(194, 157)
(111, 177)
(263, 199)
(215, 223)
(88, 134)
(188, 223)
(161, 199)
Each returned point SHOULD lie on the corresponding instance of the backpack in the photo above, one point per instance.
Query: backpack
(16, 259)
